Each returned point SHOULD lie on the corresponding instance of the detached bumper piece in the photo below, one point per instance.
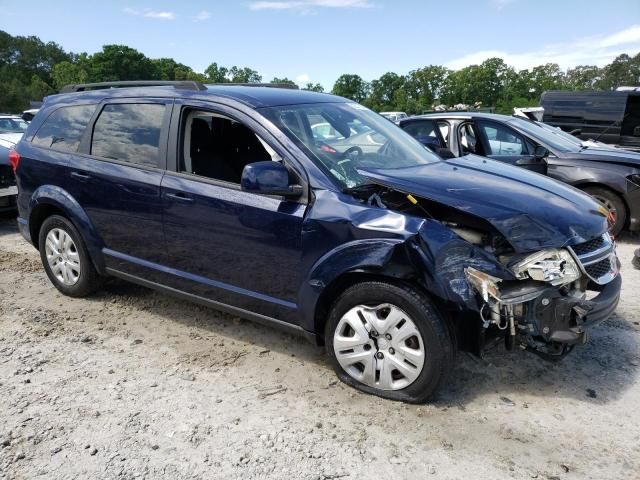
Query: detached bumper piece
(566, 320)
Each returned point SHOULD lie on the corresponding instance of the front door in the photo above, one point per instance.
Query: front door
(225, 244)
(503, 143)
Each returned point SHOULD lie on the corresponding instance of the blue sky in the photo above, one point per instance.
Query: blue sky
(317, 40)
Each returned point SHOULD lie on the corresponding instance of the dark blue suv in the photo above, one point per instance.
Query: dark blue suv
(310, 212)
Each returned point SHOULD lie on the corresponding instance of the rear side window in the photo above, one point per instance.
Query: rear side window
(129, 133)
(63, 129)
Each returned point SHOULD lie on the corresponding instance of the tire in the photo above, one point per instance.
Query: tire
(413, 365)
(65, 258)
(614, 203)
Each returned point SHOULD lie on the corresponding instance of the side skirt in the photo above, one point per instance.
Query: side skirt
(255, 317)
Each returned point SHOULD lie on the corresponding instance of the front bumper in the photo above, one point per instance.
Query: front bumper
(566, 320)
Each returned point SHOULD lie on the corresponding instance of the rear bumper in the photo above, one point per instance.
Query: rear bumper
(567, 320)
(23, 227)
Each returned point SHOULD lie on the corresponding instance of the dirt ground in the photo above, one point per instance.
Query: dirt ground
(130, 383)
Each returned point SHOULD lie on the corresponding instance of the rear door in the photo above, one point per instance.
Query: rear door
(501, 142)
(116, 178)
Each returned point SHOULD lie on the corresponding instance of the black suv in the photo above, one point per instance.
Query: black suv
(312, 213)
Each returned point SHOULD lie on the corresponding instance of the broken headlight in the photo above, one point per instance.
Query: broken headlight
(555, 266)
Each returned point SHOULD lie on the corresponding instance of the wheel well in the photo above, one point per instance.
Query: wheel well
(582, 186)
(39, 214)
(346, 280)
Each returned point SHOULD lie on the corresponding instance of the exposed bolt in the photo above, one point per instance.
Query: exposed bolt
(392, 350)
(367, 347)
(380, 355)
(374, 333)
(545, 301)
(545, 330)
(387, 336)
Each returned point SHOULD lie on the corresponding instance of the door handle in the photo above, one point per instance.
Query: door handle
(83, 177)
(180, 197)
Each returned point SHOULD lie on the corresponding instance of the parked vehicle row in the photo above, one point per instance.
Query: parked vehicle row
(312, 213)
(609, 174)
(11, 130)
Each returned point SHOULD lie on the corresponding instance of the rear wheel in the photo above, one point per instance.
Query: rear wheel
(65, 258)
(614, 204)
(389, 340)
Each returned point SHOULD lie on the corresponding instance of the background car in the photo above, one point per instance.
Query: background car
(394, 116)
(611, 175)
(11, 130)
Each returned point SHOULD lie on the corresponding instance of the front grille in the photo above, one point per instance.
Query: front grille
(597, 258)
(599, 269)
(6, 176)
(588, 247)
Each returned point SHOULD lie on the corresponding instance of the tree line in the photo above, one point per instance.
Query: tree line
(31, 69)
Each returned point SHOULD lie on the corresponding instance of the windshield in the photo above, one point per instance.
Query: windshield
(12, 125)
(555, 140)
(343, 137)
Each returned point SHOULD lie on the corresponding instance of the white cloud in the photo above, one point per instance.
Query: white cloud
(303, 79)
(308, 5)
(147, 12)
(598, 50)
(203, 15)
(500, 4)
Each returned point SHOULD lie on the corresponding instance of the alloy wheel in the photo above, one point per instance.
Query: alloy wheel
(62, 256)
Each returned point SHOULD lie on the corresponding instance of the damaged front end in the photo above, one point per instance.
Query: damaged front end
(547, 309)
(498, 283)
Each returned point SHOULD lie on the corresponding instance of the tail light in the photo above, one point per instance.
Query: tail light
(14, 160)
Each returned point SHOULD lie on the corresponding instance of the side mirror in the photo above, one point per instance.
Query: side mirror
(268, 178)
(540, 152)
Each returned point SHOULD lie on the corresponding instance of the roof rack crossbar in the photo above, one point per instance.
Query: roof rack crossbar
(182, 84)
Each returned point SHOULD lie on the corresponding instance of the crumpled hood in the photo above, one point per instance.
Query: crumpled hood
(531, 211)
(619, 156)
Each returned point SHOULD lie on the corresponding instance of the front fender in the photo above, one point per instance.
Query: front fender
(54, 196)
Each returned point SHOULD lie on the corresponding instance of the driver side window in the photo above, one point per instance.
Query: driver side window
(218, 147)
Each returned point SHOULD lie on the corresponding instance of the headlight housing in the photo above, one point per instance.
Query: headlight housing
(555, 266)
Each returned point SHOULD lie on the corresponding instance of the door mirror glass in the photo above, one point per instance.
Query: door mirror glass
(540, 152)
(268, 178)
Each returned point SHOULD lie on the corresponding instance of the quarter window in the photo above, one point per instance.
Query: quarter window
(64, 128)
(129, 133)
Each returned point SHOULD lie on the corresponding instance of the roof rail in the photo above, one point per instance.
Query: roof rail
(255, 84)
(183, 84)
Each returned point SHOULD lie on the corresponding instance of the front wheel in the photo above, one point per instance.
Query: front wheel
(614, 204)
(390, 341)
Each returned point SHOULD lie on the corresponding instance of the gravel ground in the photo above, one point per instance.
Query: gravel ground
(130, 383)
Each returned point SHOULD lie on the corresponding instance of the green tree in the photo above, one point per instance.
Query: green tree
(314, 87)
(383, 93)
(351, 86)
(582, 77)
(623, 71)
(216, 74)
(66, 73)
(284, 81)
(119, 62)
(244, 75)
(423, 87)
